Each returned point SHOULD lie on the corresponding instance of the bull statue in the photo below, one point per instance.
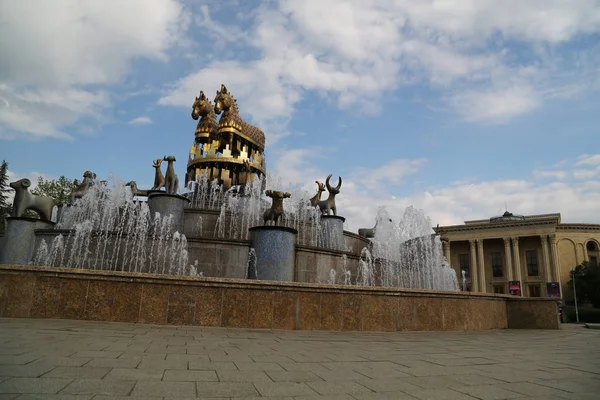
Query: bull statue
(276, 210)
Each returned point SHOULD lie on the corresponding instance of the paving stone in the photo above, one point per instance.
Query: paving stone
(77, 372)
(384, 396)
(254, 366)
(388, 385)
(55, 397)
(341, 375)
(99, 387)
(269, 389)
(226, 389)
(488, 392)
(174, 389)
(293, 376)
(189, 376)
(134, 374)
(33, 385)
(98, 354)
(337, 387)
(243, 376)
(440, 394)
(31, 370)
(18, 359)
(62, 361)
(212, 366)
(132, 398)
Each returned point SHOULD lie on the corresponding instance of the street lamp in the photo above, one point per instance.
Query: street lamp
(575, 297)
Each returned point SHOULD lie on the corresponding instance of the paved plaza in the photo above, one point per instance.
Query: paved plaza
(61, 359)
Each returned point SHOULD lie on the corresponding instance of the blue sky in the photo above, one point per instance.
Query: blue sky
(456, 107)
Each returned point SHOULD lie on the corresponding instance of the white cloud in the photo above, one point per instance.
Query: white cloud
(353, 51)
(56, 56)
(463, 200)
(550, 174)
(495, 105)
(587, 159)
(140, 121)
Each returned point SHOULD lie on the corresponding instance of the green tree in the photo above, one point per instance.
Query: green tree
(59, 189)
(587, 283)
(5, 206)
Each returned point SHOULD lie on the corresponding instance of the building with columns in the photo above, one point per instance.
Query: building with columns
(534, 253)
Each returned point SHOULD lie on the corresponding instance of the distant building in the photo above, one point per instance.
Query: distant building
(534, 253)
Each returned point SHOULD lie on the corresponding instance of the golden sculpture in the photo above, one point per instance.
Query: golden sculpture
(231, 121)
(230, 150)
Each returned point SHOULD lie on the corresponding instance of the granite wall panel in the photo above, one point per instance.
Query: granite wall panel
(43, 292)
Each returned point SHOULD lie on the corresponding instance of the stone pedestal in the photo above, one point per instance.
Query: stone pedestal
(332, 232)
(275, 253)
(168, 205)
(19, 239)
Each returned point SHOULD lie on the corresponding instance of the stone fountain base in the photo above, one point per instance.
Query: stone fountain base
(64, 293)
(19, 239)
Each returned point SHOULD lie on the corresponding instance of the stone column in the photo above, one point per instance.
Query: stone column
(446, 245)
(555, 265)
(481, 264)
(509, 269)
(546, 258)
(473, 268)
(517, 259)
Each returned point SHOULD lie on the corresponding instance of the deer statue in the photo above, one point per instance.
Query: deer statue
(159, 179)
(314, 201)
(326, 206)
(171, 179)
(24, 201)
(135, 190)
(84, 186)
(276, 210)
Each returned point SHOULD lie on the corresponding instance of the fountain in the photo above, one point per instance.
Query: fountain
(224, 227)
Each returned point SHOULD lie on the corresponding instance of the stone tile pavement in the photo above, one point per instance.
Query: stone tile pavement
(60, 359)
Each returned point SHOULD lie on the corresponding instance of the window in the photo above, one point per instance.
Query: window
(499, 289)
(464, 265)
(532, 263)
(591, 246)
(496, 264)
(535, 291)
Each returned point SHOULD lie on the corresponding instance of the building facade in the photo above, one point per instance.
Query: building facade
(524, 255)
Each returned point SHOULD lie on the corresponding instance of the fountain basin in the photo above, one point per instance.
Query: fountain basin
(275, 250)
(169, 205)
(46, 292)
(18, 243)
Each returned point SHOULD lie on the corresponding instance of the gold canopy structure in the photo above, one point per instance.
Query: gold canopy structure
(230, 150)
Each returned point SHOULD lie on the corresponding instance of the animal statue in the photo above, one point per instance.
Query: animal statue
(84, 186)
(26, 201)
(226, 104)
(171, 179)
(276, 210)
(314, 201)
(135, 190)
(203, 109)
(159, 179)
(369, 233)
(328, 205)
